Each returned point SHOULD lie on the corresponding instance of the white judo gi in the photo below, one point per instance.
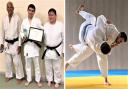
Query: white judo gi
(53, 37)
(31, 50)
(94, 35)
(10, 31)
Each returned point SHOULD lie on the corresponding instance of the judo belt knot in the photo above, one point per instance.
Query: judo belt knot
(33, 42)
(51, 48)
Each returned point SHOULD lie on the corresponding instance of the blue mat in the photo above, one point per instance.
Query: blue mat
(83, 73)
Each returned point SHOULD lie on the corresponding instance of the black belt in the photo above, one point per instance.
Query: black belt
(52, 48)
(12, 41)
(33, 42)
(84, 33)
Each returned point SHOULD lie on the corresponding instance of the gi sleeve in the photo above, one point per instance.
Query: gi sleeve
(21, 34)
(19, 26)
(2, 33)
(40, 24)
(85, 15)
(62, 35)
(101, 21)
(97, 45)
(90, 19)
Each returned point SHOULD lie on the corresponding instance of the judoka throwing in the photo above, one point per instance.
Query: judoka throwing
(97, 36)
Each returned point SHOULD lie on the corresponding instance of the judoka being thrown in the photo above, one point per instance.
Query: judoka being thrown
(96, 35)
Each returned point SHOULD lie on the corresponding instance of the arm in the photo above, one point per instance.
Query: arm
(19, 28)
(22, 35)
(101, 21)
(21, 31)
(19, 37)
(62, 35)
(89, 17)
(40, 24)
(97, 44)
(2, 37)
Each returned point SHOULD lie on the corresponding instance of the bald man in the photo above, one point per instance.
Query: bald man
(10, 42)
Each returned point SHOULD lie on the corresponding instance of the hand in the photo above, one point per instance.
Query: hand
(81, 7)
(62, 55)
(109, 22)
(77, 12)
(113, 45)
(66, 66)
(19, 49)
(1, 48)
(24, 39)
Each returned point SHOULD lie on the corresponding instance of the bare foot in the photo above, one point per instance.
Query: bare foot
(49, 83)
(8, 79)
(80, 8)
(19, 81)
(56, 86)
(27, 84)
(39, 84)
(107, 83)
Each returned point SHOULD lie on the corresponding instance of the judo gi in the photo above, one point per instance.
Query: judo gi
(11, 41)
(92, 34)
(31, 50)
(53, 39)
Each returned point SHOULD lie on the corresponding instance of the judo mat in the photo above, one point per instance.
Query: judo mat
(91, 79)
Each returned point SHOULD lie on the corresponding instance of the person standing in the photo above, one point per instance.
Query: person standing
(53, 32)
(11, 43)
(31, 49)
